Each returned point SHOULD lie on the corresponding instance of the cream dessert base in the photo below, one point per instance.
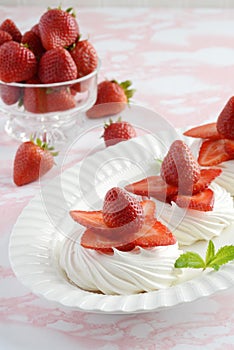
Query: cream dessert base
(140, 270)
(189, 225)
(226, 179)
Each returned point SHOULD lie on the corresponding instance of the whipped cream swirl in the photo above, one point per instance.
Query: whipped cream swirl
(226, 179)
(189, 225)
(140, 270)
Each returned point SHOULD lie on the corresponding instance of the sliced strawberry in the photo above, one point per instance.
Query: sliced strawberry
(154, 235)
(153, 186)
(202, 201)
(213, 153)
(94, 219)
(229, 148)
(206, 131)
(207, 176)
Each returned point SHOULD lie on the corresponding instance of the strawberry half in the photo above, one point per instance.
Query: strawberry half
(202, 201)
(206, 131)
(153, 186)
(207, 176)
(225, 122)
(213, 153)
(118, 131)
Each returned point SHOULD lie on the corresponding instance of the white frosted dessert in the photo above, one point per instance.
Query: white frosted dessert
(136, 271)
(189, 225)
(226, 179)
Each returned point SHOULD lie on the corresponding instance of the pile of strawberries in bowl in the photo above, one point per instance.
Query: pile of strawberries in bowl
(48, 75)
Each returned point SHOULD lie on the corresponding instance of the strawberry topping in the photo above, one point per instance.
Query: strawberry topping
(202, 201)
(213, 153)
(206, 131)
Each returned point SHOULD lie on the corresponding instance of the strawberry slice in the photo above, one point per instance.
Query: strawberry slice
(153, 236)
(206, 131)
(213, 153)
(229, 148)
(207, 176)
(94, 219)
(153, 186)
(202, 201)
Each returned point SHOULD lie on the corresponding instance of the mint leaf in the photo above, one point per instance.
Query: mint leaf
(190, 259)
(223, 256)
(210, 252)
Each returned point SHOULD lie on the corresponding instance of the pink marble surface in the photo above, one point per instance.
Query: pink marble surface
(181, 63)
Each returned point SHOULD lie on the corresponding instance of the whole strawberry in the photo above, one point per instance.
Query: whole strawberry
(112, 98)
(17, 63)
(180, 168)
(32, 160)
(225, 122)
(120, 209)
(4, 37)
(118, 131)
(10, 27)
(58, 28)
(85, 57)
(56, 65)
(10, 94)
(33, 42)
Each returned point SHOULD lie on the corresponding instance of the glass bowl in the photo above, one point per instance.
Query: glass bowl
(52, 112)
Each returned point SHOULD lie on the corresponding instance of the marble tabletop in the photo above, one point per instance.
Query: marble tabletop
(181, 64)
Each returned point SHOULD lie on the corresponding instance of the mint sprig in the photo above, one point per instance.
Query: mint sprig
(212, 260)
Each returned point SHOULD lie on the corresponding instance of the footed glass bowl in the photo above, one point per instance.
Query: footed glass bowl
(53, 112)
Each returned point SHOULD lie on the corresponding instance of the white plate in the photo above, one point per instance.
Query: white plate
(46, 221)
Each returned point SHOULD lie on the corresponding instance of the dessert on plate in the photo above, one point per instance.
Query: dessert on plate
(217, 145)
(188, 202)
(124, 249)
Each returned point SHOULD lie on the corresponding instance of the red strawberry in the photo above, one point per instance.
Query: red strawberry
(56, 65)
(225, 122)
(59, 100)
(202, 201)
(17, 63)
(35, 29)
(31, 161)
(180, 168)
(153, 186)
(4, 37)
(206, 131)
(121, 210)
(229, 148)
(85, 57)
(112, 98)
(213, 153)
(156, 235)
(33, 42)
(10, 27)
(58, 28)
(207, 176)
(118, 131)
(10, 94)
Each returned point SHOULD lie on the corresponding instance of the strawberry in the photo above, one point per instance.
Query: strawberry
(10, 94)
(156, 235)
(33, 42)
(213, 153)
(112, 98)
(85, 57)
(34, 99)
(59, 100)
(180, 168)
(121, 210)
(56, 65)
(153, 186)
(4, 37)
(32, 160)
(207, 176)
(206, 131)
(225, 122)
(118, 131)
(35, 29)
(202, 201)
(58, 28)
(10, 27)
(17, 63)
(229, 148)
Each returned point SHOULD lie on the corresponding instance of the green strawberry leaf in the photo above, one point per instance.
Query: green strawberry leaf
(190, 259)
(210, 252)
(223, 256)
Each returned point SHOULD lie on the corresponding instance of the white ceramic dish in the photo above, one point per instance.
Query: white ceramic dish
(45, 222)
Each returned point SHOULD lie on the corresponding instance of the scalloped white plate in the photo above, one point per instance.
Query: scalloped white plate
(45, 222)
